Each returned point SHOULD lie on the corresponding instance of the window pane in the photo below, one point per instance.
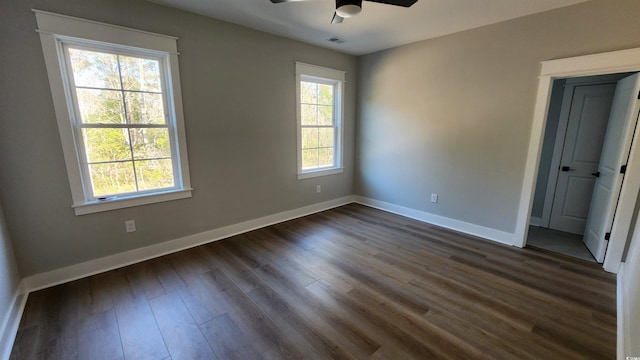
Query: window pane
(144, 108)
(94, 69)
(100, 106)
(325, 94)
(309, 114)
(309, 138)
(309, 159)
(103, 145)
(140, 74)
(112, 178)
(325, 137)
(150, 143)
(308, 92)
(154, 174)
(325, 157)
(325, 115)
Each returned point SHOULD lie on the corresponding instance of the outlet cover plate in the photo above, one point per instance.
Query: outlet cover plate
(130, 225)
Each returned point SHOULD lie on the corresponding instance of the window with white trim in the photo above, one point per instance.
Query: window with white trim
(319, 121)
(117, 98)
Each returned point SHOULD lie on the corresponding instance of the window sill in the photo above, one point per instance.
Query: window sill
(121, 203)
(317, 173)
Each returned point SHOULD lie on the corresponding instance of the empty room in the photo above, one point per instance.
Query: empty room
(319, 179)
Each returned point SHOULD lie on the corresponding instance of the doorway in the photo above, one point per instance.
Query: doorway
(575, 130)
(587, 65)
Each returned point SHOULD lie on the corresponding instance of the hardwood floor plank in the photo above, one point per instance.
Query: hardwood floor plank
(390, 337)
(227, 339)
(302, 257)
(559, 333)
(268, 338)
(203, 302)
(336, 329)
(59, 333)
(381, 284)
(27, 343)
(309, 340)
(99, 337)
(98, 298)
(490, 344)
(604, 322)
(141, 275)
(166, 273)
(139, 333)
(179, 331)
(441, 343)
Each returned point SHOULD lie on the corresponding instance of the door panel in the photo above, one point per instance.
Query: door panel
(586, 128)
(615, 153)
(576, 204)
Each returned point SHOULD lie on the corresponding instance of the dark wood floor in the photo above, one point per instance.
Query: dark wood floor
(352, 282)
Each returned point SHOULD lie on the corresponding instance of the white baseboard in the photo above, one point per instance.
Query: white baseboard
(622, 311)
(453, 224)
(92, 267)
(10, 323)
(96, 266)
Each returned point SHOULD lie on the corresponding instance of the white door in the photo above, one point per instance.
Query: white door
(615, 154)
(586, 129)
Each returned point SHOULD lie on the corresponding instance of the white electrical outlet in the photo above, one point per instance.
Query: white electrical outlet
(434, 198)
(130, 225)
(318, 188)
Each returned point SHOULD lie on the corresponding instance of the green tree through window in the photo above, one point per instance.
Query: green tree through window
(122, 122)
(317, 109)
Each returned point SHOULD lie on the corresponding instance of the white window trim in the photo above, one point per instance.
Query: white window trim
(55, 28)
(314, 71)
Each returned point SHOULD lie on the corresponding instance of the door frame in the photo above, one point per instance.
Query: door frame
(558, 146)
(596, 64)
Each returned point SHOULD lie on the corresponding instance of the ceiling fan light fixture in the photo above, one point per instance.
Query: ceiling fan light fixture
(348, 8)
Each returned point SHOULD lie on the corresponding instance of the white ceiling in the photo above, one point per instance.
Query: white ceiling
(377, 27)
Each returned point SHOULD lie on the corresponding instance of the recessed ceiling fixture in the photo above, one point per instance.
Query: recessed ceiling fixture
(349, 8)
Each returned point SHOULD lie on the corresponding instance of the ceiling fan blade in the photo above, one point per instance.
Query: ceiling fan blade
(403, 3)
(337, 19)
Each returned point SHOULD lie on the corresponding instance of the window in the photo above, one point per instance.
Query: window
(319, 94)
(117, 98)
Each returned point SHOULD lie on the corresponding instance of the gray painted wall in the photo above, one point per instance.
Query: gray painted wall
(238, 88)
(9, 276)
(453, 115)
(631, 288)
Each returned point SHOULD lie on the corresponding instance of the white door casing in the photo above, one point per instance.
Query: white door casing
(594, 64)
(615, 154)
(588, 115)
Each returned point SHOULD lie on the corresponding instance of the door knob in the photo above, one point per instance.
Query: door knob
(596, 174)
(566, 168)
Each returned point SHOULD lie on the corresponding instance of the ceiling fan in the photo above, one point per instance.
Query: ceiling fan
(349, 8)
